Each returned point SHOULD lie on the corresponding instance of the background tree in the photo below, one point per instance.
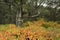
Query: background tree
(16, 11)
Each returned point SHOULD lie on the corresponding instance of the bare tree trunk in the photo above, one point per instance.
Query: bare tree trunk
(19, 14)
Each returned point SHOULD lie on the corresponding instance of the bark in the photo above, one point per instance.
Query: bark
(19, 15)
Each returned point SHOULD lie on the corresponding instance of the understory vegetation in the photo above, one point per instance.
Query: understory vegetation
(36, 30)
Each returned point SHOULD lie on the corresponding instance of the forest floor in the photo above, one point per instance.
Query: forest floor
(36, 30)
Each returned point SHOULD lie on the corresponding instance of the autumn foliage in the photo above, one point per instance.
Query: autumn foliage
(36, 30)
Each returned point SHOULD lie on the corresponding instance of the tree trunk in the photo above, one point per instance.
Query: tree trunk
(19, 15)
